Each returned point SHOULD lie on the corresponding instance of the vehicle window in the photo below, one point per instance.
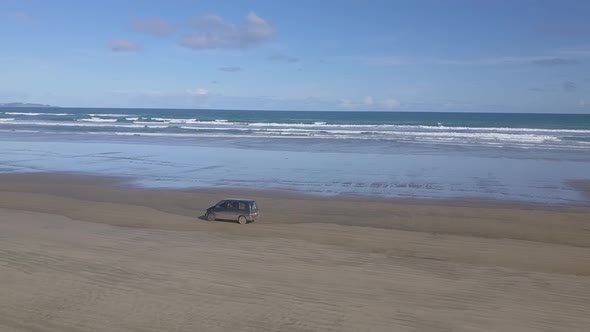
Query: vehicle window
(221, 204)
(242, 206)
(231, 205)
(253, 206)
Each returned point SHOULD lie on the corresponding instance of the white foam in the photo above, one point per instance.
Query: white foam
(155, 127)
(219, 122)
(171, 120)
(412, 127)
(187, 121)
(504, 129)
(19, 131)
(95, 119)
(73, 124)
(22, 113)
(215, 128)
(205, 135)
(115, 115)
(479, 136)
(495, 136)
(471, 136)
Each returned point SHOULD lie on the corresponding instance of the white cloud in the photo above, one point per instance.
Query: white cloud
(212, 32)
(197, 92)
(541, 60)
(369, 103)
(391, 103)
(347, 103)
(153, 26)
(124, 45)
(559, 59)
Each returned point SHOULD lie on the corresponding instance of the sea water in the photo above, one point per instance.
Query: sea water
(525, 157)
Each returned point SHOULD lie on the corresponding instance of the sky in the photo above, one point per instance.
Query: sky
(329, 55)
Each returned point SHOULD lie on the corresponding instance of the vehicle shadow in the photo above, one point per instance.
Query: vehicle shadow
(204, 217)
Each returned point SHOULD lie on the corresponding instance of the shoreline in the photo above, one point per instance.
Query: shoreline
(133, 183)
(394, 173)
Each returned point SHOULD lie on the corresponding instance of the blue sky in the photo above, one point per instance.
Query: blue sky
(469, 55)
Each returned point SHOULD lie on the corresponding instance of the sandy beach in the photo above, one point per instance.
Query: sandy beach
(82, 253)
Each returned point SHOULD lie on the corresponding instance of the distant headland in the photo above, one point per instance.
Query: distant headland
(24, 105)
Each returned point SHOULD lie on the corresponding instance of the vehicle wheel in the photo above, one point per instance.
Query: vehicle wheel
(211, 216)
(242, 220)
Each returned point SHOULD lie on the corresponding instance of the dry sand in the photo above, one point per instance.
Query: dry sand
(81, 253)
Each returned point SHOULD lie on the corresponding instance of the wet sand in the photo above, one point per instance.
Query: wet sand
(81, 253)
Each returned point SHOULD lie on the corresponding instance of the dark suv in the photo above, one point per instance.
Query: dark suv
(241, 210)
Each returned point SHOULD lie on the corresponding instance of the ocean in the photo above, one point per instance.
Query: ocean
(523, 130)
(500, 156)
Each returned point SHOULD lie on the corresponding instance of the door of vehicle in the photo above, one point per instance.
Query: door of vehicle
(221, 210)
(232, 210)
(243, 209)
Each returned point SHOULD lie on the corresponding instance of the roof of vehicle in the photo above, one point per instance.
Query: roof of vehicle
(239, 199)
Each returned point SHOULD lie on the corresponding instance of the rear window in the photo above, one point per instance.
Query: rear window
(253, 206)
